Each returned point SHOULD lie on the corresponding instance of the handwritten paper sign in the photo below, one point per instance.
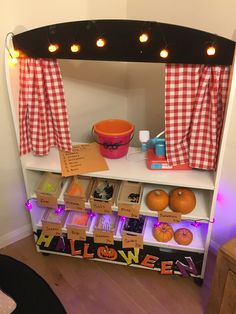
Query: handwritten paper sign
(128, 210)
(74, 203)
(169, 217)
(46, 201)
(76, 233)
(106, 237)
(51, 229)
(101, 207)
(83, 158)
(132, 241)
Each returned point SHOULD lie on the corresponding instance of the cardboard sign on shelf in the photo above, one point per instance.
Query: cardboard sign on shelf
(71, 203)
(132, 241)
(47, 201)
(84, 158)
(128, 210)
(105, 237)
(101, 207)
(76, 233)
(51, 229)
(169, 217)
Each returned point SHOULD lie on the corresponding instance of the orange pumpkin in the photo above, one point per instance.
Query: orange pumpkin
(157, 200)
(163, 232)
(182, 200)
(106, 252)
(183, 236)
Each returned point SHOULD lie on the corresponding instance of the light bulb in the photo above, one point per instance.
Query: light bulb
(196, 224)
(59, 210)
(12, 61)
(101, 42)
(75, 48)
(164, 53)
(211, 50)
(143, 38)
(28, 205)
(53, 47)
(15, 53)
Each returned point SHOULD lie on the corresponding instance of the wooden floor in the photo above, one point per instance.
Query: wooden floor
(85, 286)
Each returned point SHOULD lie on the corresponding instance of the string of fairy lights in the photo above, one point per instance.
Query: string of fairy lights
(143, 38)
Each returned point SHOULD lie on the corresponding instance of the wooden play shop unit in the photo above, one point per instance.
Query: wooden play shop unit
(93, 200)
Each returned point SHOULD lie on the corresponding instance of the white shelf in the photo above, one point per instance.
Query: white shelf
(200, 212)
(132, 168)
(197, 245)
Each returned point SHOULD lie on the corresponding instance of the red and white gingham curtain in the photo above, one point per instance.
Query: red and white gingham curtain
(195, 99)
(43, 119)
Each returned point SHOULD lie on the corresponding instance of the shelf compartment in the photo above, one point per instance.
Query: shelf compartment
(200, 212)
(197, 245)
(77, 192)
(131, 168)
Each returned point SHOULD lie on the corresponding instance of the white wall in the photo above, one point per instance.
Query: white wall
(94, 90)
(87, 89)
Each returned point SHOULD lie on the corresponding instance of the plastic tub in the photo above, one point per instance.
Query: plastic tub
(114, 136)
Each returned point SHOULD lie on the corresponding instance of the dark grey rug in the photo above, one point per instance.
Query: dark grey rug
(31, 292)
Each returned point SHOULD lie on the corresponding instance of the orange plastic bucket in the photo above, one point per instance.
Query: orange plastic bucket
(114, 136)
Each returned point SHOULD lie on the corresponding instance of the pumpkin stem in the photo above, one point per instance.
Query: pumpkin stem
(179, 193)
(157, 193)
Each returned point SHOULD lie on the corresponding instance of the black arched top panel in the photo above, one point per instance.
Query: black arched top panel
(185, 45)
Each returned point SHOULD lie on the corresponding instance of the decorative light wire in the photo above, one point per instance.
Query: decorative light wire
(13, 57)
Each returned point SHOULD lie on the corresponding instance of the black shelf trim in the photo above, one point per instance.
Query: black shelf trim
(185, 45)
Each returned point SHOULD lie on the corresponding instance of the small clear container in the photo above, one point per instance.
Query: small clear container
(79, 219)
(79, 187)
(107, 222)
(50, 185)
(104, 190)
(54, 216)
(134, 226)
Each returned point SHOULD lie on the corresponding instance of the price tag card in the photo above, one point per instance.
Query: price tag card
(101, 207)
(51, 229)
(105, 237)
(128, 210)
(132, 241)
(76, 233)
(169, 217)
(74, 203)
(46, 201)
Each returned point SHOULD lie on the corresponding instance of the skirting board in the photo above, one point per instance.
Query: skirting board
(15, 235)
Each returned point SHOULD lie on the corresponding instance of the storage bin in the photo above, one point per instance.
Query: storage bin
(106, 222)
(103, 195)
(132, 226)
(77, 192)
(49, 189)
(80, 219)
(51, 216)
(129, 199)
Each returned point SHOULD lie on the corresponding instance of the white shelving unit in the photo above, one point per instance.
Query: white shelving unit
(133, 168)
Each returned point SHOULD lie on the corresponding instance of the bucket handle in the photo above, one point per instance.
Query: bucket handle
(109, 145)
